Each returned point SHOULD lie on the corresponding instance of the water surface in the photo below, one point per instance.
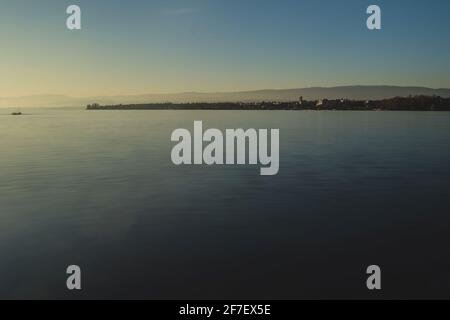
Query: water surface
(98, 189)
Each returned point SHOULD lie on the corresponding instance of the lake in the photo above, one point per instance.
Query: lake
(98, 189)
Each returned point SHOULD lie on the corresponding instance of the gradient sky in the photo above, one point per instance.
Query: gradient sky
(158, 46)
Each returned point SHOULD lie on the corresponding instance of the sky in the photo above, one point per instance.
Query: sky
(165, 46)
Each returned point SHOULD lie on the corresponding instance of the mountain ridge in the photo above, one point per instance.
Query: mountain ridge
(356, 92)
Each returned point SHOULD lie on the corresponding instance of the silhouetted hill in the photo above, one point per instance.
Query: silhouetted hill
(313, 93)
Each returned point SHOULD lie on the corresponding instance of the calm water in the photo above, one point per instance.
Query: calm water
(98, 189)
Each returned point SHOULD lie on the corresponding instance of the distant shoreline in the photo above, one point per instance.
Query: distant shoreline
(416, 103)
(352, 92)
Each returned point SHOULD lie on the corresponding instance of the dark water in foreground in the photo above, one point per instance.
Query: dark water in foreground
(98, 189)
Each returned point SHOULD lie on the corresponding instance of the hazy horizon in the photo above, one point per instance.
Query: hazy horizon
(309, 93)
(48, 94)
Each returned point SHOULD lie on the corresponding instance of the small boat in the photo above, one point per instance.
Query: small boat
(16, 113)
